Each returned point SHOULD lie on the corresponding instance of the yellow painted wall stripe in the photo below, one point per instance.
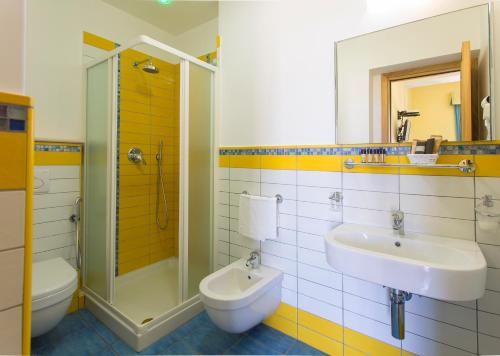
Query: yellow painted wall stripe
(97, 41)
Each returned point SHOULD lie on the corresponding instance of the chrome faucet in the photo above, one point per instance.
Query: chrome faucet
(398, 222)
(254, 260)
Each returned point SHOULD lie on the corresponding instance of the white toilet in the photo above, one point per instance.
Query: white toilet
(237, 298)
(53, 283)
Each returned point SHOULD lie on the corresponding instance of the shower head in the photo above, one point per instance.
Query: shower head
(148, 67)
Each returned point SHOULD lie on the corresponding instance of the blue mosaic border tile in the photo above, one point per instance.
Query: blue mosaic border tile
(482, 149)
(56, 148)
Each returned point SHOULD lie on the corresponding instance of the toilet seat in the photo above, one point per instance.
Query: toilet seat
(53, 281)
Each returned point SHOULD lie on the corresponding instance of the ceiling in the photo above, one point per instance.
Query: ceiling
(175, 18)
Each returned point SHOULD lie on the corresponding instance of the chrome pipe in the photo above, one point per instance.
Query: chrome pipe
(398, 299)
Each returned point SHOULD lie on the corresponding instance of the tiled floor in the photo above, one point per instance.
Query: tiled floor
(82, 334)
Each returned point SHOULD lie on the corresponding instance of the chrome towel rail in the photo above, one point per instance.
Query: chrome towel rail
(464, 166)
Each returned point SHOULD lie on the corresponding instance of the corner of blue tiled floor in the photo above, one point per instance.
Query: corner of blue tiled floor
(82, 333)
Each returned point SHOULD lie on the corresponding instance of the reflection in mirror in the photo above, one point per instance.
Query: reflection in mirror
(422, 79)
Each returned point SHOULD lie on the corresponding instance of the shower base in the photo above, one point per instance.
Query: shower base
(149, 291)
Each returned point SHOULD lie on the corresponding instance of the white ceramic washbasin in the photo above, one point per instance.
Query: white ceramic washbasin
(432, 266)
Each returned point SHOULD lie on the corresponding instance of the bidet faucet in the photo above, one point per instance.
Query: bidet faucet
(398, 222)
(254, 260)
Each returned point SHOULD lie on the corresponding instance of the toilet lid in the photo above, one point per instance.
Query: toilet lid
(51, 276)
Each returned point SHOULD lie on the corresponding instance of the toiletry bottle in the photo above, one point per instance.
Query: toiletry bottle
(370, 155)
(363, 155)
(383, 155)
(375, 155)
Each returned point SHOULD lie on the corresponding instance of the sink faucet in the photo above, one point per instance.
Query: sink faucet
(398, 222)
(254, 260)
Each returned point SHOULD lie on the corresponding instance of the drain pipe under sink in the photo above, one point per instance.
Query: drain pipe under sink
(398, 299)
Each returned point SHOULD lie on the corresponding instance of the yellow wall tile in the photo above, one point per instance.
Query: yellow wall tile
(224, 161)
(13, 167)
(279, 162)
(349, 351)
(487, 165)
(282, 324)
(320, 342)
(320, 325)
(244, 161)
(320, 163)
(97, 41)
(368, 344)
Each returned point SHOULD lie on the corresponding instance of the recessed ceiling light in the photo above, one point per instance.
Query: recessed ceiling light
(165, 2)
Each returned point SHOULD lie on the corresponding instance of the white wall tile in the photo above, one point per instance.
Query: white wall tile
(366, 289)
(223, 198)
(278, 249)
(315, 226)
(312, 242)
(441, 311)
(222, 259)
(239, 187)
(223, 210)
(52, 214)
(370, 327)
(222, 173)
(367, 308)
(288, 221)
(488, 186)
(423, 346)
(238, 251)
(489, 324)
(244, 174)
(490, 302)
(287, 236)
(371, 182)
(313, 258)
(278, 176)
(222, 222)
(222, 235)
(371, 200)
(447, 186)
(491, 254)
(53, 242)
(327, 278)
(315, 194)
(447, 227)
(223, 247)
(487, 237)
(41, 201)
(286, 191)
(319, 179)
(289, 297)
(442, 332)
(240, 240)
(321, 309)
(493, 279)
(367, 217)
(488, 345)
(222, 185)
(283, 264)
(318, 211)
(320, 292)
(460, 208)
(289, 282)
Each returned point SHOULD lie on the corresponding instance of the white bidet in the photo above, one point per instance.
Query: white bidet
(237, 298)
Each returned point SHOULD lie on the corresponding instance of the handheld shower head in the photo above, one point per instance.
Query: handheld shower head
(148, 67)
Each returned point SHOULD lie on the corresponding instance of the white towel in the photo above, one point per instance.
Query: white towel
(258, 217)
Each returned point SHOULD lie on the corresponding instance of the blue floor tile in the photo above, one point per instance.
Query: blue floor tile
(180, 347)
(277, 341)
(299, 348)
(249, 346)
(82, 334)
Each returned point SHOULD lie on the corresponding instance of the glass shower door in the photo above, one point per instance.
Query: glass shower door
(200, 182)
(97, 173)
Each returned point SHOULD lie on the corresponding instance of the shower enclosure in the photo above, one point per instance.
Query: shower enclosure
(148, 188)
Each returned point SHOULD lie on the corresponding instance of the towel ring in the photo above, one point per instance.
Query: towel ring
(278, 197)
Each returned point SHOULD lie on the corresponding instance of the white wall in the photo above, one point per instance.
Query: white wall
(12, 35)
(199, 40)
(54, 57)
(277, 68)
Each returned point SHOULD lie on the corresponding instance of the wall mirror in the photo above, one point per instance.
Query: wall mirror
(426, 78)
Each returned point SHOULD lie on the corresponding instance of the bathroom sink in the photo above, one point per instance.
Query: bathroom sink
(432, 266)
